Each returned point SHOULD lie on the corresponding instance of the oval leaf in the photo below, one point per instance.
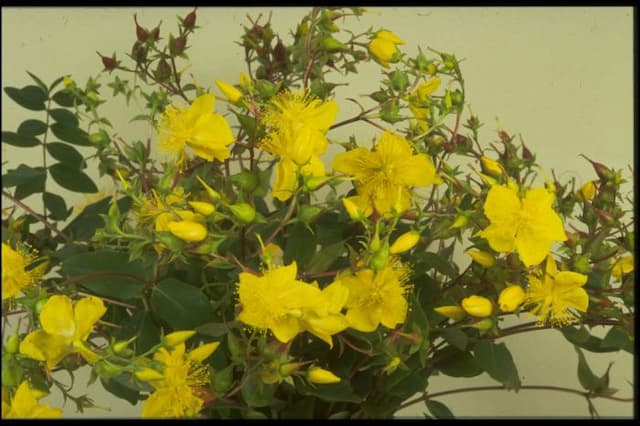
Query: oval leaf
(56, 205)
(63, 98)
(496, 360)
(64, 116)
(29, 97)
(22, 174)
(438, 409)
(71, 134)
(72, 179)
(22, 141)
(32, 128)
(66, 154)
(182, 306)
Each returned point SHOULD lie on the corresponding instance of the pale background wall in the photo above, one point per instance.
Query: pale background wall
(562, 77)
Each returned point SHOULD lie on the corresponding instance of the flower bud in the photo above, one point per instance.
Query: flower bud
(245, 180)
(122, 346)
(330, 44)
(383, 47)
(483, 325)
(405, 242)
(587, 191)
(399, 80)
(511, 297)
(68, 82)
(163, 71)
(482, 257)
(155, 33)
(477, 306)
(353, 210)
(139, 52)
(148, 375)
(391, 365)
(203, 208)
(287, 369)
(454, 312)
(243, 211)
(321, 376)
(189, 21)
(380, 257)
(188, 230)
(213, 194)
(427, 88)
(229, 91)
(311, 183)
(13, 344)
(605, 217)
(141, 33)
(177, 45)
(461, 221)
(177, 337)
(245, 81)
(109, 63)
(526, 154)
(491, 167)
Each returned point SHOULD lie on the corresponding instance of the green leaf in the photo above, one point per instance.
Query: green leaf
(117, 276)
(32, 127)
(213, 329)
(55, 83)
(32, 187)
(63, 98)
(182, 306)
(141, 326)
(438, 409)
(340, 391)
(64, 116)
(617, 338)
(72, 179)
(56, 205)
(29, 97)
(83, 226)
(16, 139)
(116, 388)
(256, 393)
(496, 360)
(456, 337)
(22, 174)
(439, 263)
(457, 363)
(300, 245)
(323, 259)
(71, 134)
(39, 82)
(587, 379)
(582, 338)
(66, 154)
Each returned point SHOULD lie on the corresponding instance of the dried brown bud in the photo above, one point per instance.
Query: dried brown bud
(177, 45)
(139, 52)
(163, 70)
(109, 63)
(604, 216)
(448, 146)
(280, 52)
(526, 154)
(141, 33)
(155, 33)
(190, 20)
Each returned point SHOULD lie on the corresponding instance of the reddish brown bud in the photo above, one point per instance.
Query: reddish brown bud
(109, 63)
(448, 146)
(504, 136)
(163, 70)
(602, 171)
(155, 33)
(604, 216)
(139, 52)
(279, 52)
(460, 140)
(526, 154)
(141, 33)
(177, 45)
(190, 20)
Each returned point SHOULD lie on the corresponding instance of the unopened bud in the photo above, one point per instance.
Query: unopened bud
(177, 337)
(482, 257)
(477, 306)
(321, 376)
(526, 154)
(380, 258)
(205, 209)
(405, 242)
(189, 21)
(391, 365)
(511, 298)
(229, 91)
(491, 166)
(141, 33)
(483, 325)
(213, 194)
(605, 217)
(454, 312)
(177, 45)
(13, 344)
(148, 375)
(109, 63)
(243, 211)
(163, 71)
(188, 231)
(139, 52)
(587, 191)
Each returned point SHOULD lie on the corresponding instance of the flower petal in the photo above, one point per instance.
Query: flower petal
(87, 312)
(532, 246)
(203, 352)
(43, 346)
(57, 316)
(502, 206)
(361, 320)
(357, 162)
(285, 329)
(286, 181)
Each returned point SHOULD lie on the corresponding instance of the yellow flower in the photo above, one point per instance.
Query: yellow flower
(65, 329)
(357, 207)
(15, 275)
(482, 257)
(298, 123)
(229, 91)
(530, 225)
(383, 177)
(188, 230)
(182, 374)
(280, 303)
(623, 266)
(377, 297)
(427, 88)
(300, 109)
(477, 306)
(321, 376)
(587, 191)
(511, 297)
(197, 127)
(383, 47)
(454, 312)
(24, 405)
(405, 242)
(557, 295)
